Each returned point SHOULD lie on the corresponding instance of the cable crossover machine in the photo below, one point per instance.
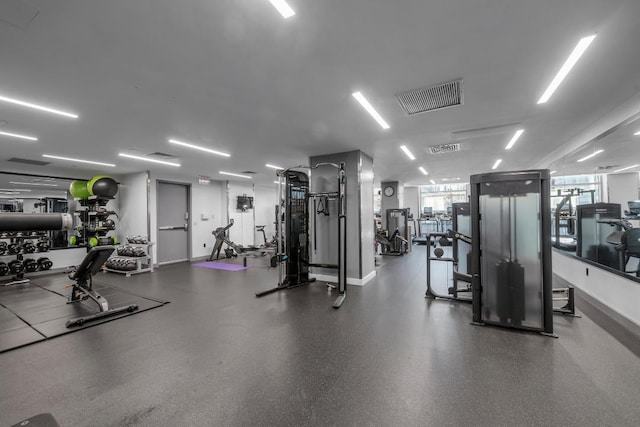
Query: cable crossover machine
(292, 224)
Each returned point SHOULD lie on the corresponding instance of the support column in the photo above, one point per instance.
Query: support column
(323, 245)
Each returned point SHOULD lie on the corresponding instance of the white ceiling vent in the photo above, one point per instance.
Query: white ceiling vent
(432, 98)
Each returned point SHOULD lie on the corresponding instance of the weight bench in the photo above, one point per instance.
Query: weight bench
(82, 289)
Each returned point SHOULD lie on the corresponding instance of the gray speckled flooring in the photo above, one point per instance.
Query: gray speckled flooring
(217, 356)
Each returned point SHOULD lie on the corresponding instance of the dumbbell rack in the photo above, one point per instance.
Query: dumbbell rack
(141, 261)
(18, 240)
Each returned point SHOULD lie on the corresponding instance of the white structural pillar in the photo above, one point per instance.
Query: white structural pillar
(323, 233)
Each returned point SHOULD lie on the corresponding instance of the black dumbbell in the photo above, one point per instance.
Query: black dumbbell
(30, 265)
(42, 246)
(44, 263)
(28, 247)
(4, 269)
(16, 267)
(3, 248)
(14, 248)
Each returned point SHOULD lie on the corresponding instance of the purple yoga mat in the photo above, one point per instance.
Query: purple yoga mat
(220, 266)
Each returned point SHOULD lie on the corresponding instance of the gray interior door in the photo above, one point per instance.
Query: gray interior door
(173, 222)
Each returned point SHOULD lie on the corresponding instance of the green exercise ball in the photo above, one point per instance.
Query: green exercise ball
(78, 190)
(103, 186)
(73, 241)
(94, 242)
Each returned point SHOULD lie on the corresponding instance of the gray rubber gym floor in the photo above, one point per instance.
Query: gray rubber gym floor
(218, 356)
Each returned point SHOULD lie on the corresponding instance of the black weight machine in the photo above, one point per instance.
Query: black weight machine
(460, 258)
(82, 289)
(511, 250)
(292, 257)
(564, 218)
(626, 241)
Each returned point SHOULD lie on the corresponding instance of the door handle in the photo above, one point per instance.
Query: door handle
(173, 227)
(186, 226)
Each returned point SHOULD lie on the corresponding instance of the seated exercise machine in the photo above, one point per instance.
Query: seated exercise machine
(82, 289)
(395, 245)
(626, 241)
(220, 234)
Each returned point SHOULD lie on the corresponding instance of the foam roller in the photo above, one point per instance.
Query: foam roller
(35, 221)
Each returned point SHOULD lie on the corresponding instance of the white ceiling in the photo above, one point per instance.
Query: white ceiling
(234, 76)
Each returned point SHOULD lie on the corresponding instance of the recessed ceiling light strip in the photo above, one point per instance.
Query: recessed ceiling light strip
(197, 147)
(283, 7)
(407, 152)
(71, 159)
(626, 169)
(33, 183)
(423, 170)
(515, 137)
(234, 174)
(146, 159)
(37, 107)
(369, 108)
(595, 153)
(433, 182)
(274, 167)
(15, 135)
(496, 164)
(580, 48)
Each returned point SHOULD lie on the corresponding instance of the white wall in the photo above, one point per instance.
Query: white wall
(243, 230)
(618, 293)
(133, 206)
(264, 210)
(207, 200)
(622, 187)
(412, 200)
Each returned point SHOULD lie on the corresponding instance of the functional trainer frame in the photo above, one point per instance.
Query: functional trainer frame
(293, 245)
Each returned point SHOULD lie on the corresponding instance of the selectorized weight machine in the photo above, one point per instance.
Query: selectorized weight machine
(292, 257)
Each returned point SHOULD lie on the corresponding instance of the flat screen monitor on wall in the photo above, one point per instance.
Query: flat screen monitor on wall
(244, 202)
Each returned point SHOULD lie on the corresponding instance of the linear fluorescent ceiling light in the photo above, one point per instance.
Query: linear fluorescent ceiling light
(33, 183)
(71, 159)
(637, 133)
(274, 167)
(407, 152)
(146, 159)
(367, 106)
(626, 169)
(197, 147)
(19, 190)
(595, 153)
(552, 172)
(424, 172)
(515, 137)
(15, 135)
(236, 174)
(496, 164)
(37, 107)
(433, 182)
(580, 48)
(283, 7)
(276, 182)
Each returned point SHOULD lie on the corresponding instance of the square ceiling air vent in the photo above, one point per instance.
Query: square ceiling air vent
(432, 98)
(28, 162)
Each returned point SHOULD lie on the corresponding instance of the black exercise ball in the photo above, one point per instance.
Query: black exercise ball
(102, 186)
